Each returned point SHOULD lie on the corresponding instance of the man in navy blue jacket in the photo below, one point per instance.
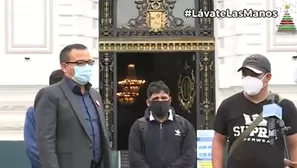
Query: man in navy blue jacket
(161, 139)
(29, 128)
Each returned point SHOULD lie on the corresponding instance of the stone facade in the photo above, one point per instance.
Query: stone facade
(35, 31)
(238, 38)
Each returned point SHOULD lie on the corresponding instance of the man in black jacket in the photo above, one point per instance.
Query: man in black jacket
(161, 139)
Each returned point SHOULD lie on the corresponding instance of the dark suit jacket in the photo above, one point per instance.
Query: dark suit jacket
(61, 135)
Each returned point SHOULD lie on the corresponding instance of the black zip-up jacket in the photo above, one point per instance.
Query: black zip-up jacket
(163, 146)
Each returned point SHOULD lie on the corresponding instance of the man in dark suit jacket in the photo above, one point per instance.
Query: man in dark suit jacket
(70, 123)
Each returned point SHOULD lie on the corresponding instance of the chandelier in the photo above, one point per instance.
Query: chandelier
(129, 86)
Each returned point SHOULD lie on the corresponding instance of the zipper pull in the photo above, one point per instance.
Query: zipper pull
(161, 126)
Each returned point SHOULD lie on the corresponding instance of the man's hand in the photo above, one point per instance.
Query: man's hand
(289, 163)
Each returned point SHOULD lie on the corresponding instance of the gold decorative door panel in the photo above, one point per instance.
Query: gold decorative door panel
(186, 85)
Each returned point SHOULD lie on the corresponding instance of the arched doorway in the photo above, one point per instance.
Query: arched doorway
(120, 34)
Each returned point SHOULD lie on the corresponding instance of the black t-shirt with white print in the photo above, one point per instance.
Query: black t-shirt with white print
(235, 114)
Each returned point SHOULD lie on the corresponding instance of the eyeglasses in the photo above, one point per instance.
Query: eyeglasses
(82, 63)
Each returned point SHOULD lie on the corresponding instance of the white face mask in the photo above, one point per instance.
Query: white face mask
(252, 86)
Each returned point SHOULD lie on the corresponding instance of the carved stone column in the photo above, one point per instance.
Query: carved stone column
(106, 20)
(106, 27)
(107, 89)
(206, 64)
(204, 26)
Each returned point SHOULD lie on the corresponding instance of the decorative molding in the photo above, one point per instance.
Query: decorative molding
(279, 42)
(157, 44)
(12, 121)
(46, 47)
(14, 125)
(14, 102)
(13, 106)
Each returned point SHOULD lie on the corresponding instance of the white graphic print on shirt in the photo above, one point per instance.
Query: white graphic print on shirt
(258, 135)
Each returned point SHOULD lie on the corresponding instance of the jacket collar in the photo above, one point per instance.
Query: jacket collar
(74, 87)
(170, 117)
(148, 114)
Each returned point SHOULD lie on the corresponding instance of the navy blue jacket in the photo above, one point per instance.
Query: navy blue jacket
(30, 138)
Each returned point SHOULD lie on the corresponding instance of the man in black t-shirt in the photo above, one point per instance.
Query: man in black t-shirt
(237, 113)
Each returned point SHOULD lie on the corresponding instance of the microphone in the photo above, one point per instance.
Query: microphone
(273, 113)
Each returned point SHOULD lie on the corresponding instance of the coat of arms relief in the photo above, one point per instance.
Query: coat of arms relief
(155, 15)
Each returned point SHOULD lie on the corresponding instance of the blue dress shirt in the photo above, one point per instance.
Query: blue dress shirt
(30, 138)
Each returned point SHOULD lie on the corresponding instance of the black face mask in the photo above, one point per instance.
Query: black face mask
(160, 108)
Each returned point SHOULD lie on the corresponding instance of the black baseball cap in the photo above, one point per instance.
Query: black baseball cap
(257, 63)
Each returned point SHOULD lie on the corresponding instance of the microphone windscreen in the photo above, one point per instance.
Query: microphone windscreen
(271, 110)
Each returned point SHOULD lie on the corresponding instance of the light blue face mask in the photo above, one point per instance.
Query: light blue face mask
(82, 74)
